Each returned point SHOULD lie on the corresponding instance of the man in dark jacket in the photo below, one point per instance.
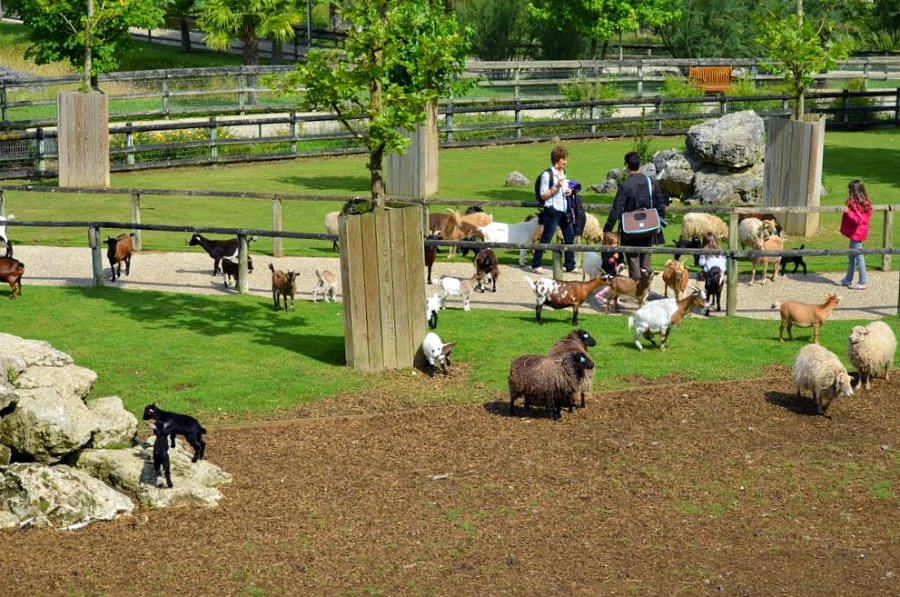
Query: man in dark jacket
(636, 192)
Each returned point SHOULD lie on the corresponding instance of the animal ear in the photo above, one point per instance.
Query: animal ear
(445, 350)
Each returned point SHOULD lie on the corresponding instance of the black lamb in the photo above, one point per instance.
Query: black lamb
(161, 453)
(177, 424)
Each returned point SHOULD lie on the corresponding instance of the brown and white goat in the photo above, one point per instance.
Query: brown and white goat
(284, 284)
(771, 243)
(461, 227)
(562, 294)
(119, 249)
(805, 315)
(486, 263)
(625, 286)
(11, 271)
(676, 277)
(326, 284)
(661, 317)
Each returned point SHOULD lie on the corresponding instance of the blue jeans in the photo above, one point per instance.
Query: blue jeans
(552, 220)
(858, 262)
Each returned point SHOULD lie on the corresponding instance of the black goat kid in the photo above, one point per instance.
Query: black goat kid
(797, 260)
(177, 424)
(161, 453)
(218, 249)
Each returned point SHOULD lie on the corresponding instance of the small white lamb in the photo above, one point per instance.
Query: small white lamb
(437, 353)
(820, 371)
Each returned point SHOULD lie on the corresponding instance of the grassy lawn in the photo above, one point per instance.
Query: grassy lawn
(232, 357)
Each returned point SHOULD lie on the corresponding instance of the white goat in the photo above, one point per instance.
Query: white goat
(661, 317)
(522, 232)
(4, 239)
(820, 371)
(326, 285)
(437, 353)
(461, 287)
(432, 306)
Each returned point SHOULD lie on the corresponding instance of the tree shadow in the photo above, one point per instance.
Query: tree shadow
(863, 163)
(213, 318)
(358, 184)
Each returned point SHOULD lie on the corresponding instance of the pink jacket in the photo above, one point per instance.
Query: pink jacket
(855, 222)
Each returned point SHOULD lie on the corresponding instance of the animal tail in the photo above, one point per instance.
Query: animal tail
(631, 323)
(776, 305)
(202, 430)
(272, 267)
(530, 282)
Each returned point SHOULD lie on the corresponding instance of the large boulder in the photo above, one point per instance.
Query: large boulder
(69, 381)
(32, 352)
(59, 496)
(132, 471)
(676, 173)
(114, 426)
(46, 426)
(735, 140)
(517, 179)
(724, 186)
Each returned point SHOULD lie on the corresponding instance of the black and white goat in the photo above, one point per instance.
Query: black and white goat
(4, 239)
(218, 249)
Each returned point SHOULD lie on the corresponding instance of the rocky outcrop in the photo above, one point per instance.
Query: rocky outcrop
(67, 460)
(722, 165)
(517, 179)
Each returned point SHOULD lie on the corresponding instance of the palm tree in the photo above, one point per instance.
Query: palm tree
(224, 21)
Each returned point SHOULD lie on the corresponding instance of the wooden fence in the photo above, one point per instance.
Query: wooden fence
(33, 154)
(732, 253)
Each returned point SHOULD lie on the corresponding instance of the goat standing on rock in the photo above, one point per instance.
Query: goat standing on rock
(119, 249)
(174, 423)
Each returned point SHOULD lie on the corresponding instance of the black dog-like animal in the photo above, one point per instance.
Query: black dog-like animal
(797, 260)
(174, 423)
(161, 453)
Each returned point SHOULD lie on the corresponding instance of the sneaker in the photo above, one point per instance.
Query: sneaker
(846, 282)
(857, 286)
(537, 270)
(574, 270)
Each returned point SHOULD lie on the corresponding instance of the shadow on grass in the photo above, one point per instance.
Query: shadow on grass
(863, 163)
(358, 184)
(213, 317)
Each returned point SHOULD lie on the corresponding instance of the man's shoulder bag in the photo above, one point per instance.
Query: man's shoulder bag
(641, 222)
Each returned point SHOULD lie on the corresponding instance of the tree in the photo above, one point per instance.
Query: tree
(498, 26)
(599, 20)
(89, 35)
(800, 48)
(710, 29)
(400, 56)
(180, 11)
(224, 21)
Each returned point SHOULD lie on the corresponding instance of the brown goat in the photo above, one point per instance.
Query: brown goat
(283, 285)
(771, 243)
(676, 277)
(11, 271)
(119, 249)
(459, 227)
(486, 263)
(430, 255)
(625, 286)
(805, 315)
(560, 295)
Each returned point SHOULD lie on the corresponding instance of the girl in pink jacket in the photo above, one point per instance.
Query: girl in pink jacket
(855, 226)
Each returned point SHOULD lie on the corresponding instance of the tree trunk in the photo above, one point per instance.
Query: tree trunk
(185, 36)
(89, 21)
(277, 52)
(376, 170)
(251, 58)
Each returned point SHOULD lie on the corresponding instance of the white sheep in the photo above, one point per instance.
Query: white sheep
(699, 223)
(432, 306)
(548, 381)
(661, 317)
(437, 353)
(331, 226)
(522, 232)
(461, 287)
(871, 349)
(820, 371)
(753, 231)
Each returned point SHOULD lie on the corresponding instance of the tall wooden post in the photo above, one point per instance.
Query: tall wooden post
(83, 130)
(415, 173)
(383, 287)
(793, 170)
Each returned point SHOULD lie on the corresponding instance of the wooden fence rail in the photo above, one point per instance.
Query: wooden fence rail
(134, 146)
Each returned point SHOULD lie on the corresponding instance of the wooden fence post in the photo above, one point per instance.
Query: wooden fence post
(243, 274)
(213, 136)
(129, 142)
(96, 254)
(277, 246)
(886, 239)
(732, 277)
(2, 203)
(136, 219)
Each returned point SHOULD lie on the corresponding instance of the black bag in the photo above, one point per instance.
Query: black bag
(537, 186)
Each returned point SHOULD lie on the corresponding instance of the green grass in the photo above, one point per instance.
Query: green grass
(232, 357)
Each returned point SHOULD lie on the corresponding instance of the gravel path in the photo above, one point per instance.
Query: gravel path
(192, 273)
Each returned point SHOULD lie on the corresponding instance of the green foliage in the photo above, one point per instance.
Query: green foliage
(399, 58)
(641, 143)
(858, 106)
(498, 27)
(745, 86)
(247, 20)
(711, 29)
(60, 29)
(581, 90)
(886, 15)
(598, 20)
(799, 48)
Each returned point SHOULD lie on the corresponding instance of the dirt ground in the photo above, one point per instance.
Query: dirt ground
(674, 489)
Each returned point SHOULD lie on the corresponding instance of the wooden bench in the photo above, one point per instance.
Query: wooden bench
(710, 78)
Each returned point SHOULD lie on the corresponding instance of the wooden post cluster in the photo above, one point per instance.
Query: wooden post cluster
(383, 286)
